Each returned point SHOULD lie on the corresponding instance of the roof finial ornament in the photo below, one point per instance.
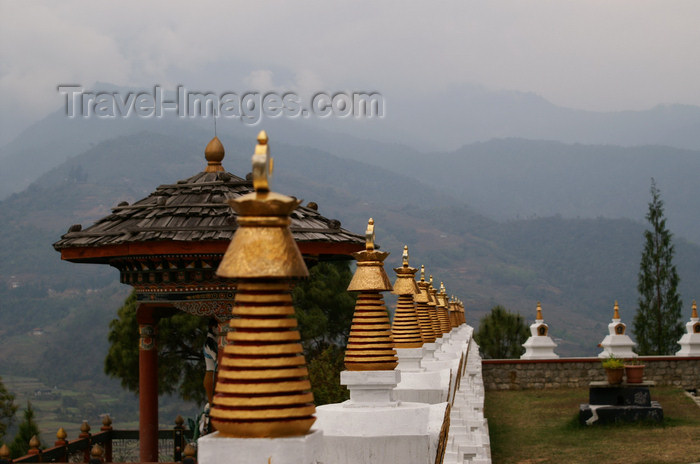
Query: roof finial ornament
(695, 310)
(616, 314)
(263, 164)
(422, 272)
(214, 154)
(539, 311)
(405, 256)
(369, 235)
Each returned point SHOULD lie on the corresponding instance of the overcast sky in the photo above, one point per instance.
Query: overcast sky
(595, 55)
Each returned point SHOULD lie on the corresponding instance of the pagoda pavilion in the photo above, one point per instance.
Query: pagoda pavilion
(168, 247)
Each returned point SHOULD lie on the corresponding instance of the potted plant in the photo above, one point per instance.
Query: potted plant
(634, 370)
(614, 369)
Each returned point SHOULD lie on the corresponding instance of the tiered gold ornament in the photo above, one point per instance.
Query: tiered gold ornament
(423, 300)
(462, 318)
(405, 329)
(262, 388)
(370, 346)
(433, 304)
(453, 312)
(443, 314)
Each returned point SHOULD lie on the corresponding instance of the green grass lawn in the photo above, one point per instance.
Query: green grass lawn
(541, 426)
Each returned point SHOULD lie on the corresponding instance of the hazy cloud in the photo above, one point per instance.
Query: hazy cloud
(600, 55)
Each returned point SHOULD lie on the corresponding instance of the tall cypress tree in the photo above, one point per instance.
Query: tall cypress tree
(7, 409)
(657, 324)
(27, 429)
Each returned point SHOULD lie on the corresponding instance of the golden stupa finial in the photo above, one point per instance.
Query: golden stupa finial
(539, 311)
(695, 310)
(370, 274)
(263, 164)
(369, 235)
(405, 283)
(405, 328)
(422, 272)
(616, 314)
(61, 434)
(262, 386)
(214, 154)
(370, 346)
(431, 279)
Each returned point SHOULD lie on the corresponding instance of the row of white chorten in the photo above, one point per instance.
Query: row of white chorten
(616, 343)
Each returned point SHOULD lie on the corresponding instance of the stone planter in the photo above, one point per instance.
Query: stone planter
(614, 375)
(634, 373)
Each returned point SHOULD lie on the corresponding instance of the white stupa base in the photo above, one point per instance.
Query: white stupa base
(429, 351)
(371, 388)
(216, 449)
(460, 333)
(690, 345)
(619, 346)
(437, 364)
(409, 359)
(447, 355)
(406, 434)
(456, 347)
(429, 387)
(539, 347)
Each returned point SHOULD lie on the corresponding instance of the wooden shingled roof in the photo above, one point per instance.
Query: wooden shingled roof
(192, 216)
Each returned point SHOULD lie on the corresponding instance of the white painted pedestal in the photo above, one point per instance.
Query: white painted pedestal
(539, 347)
(429, 387)
(690, 341)
(217, 449)
(409, 359)
(407, 433)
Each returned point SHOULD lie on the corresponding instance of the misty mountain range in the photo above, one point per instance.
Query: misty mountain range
(509, 221)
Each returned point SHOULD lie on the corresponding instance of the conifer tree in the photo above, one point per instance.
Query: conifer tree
(7, 409)
(27, 429)
(501, 334)
(657, 324)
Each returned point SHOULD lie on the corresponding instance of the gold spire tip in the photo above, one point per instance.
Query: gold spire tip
(405, 256)
(695, 310)
(616, 314)
(369, 235)
(263, 164)
(422, 273)
(539, 311)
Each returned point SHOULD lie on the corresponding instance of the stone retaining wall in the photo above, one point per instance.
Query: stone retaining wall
(519, 374)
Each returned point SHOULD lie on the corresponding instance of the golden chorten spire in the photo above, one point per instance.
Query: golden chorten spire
(695, 310)
(539, 311)
(214, 154)
(422, 300)
(433, 304)
(443, 312)
(405, 329)
(262, 387)
(616, 309)
(370, 346)
(453, 312)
